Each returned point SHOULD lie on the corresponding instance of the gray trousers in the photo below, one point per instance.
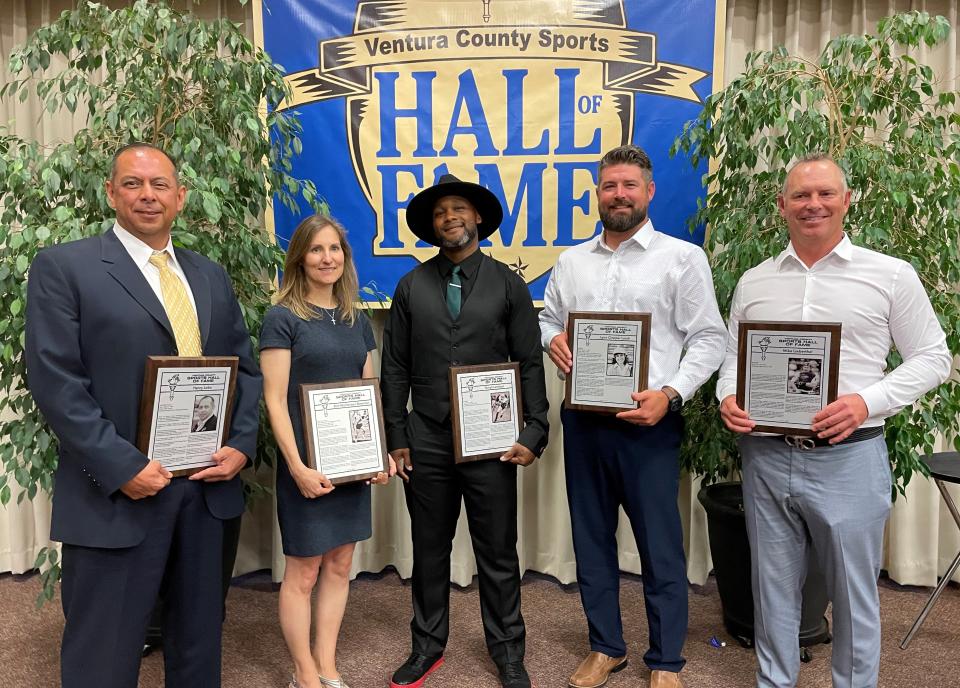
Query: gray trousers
(835, 499)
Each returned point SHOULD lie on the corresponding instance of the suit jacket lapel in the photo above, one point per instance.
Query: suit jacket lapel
(200, 286)
(122, 268)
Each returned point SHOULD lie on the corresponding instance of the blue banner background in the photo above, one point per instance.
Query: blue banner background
(292, 30)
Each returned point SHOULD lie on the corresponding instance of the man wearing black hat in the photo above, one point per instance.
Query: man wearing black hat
(459, 308)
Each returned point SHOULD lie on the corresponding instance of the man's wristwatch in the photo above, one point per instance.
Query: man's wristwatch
(676, 401)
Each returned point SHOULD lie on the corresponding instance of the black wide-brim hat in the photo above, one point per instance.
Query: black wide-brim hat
(420, 208)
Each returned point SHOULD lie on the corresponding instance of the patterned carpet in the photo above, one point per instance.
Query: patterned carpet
(375, 638)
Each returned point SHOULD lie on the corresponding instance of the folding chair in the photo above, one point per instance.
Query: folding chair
(944, 468)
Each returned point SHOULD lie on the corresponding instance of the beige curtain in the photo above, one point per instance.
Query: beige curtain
(921, 538)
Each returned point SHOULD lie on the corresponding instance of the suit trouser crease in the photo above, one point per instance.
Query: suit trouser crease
(488, 490)
(610, 463)
(108, 596)
(835, 500)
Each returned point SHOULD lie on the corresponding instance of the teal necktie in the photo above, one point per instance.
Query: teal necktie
(454, 290)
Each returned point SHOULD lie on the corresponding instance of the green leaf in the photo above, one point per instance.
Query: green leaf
(211, 206)
(900, 148)
(197, 105)
(51, 183)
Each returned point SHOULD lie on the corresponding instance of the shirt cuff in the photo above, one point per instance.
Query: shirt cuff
(725, 389)
(682, 386)
(532, 438)
(875, 397)
(546, 336)
(397, 439)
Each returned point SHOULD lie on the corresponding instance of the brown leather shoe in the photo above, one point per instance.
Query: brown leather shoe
(665, 679)
(594, 671)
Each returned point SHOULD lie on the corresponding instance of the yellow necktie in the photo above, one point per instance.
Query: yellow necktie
(176, 303)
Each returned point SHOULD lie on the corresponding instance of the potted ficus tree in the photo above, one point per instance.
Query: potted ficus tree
(148, 73)
(880, 114)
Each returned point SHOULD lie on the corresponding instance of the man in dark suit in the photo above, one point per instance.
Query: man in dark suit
(205, 419)
(459, 308)
(96, 309)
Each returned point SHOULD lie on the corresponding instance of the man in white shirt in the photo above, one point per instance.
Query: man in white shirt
(835, 496)
(632, 460)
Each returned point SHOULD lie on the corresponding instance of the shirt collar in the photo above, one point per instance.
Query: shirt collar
(642, 238)
(468, 266)
(843, 250)
(138, 250)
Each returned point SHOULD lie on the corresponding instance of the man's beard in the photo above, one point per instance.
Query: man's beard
(619, 223)
(468, 235)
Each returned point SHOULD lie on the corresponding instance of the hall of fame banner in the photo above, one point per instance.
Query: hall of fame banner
(521, 96)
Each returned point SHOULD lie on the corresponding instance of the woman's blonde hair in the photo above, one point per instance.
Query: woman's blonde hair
(294, 289)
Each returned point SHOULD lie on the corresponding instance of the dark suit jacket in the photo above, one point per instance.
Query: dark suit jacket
(209, 424)
(92, 320)
(497, 323)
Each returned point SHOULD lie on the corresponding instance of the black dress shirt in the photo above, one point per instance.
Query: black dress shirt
(468, 273)
(497, 323)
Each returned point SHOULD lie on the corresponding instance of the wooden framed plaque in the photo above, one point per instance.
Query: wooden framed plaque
(787, 372)
(486, 409)
(611, 360)
(343, 429)
(185, 410)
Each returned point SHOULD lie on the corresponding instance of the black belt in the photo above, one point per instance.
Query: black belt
(806, 443)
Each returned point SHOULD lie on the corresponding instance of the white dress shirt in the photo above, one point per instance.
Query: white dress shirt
(648, 273)
(141, 252)
(880, 302)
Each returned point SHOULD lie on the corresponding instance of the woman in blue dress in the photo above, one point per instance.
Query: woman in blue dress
(313, 334)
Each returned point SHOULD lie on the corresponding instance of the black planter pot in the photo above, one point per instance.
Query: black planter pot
(730, 550)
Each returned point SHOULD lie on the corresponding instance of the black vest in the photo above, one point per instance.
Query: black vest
(437, 341)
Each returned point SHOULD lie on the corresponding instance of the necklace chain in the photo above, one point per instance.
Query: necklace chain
(329, 312)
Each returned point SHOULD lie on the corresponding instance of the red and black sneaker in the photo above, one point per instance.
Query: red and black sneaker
(415, 670)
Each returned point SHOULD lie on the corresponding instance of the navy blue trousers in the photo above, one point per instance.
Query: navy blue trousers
(108, 595)
(610, 463)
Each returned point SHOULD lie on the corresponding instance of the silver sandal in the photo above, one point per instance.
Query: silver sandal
(332, 682)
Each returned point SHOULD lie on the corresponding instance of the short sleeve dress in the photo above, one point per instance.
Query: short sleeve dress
(324, 349)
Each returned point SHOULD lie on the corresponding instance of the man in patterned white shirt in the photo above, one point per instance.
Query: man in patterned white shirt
(632, 460)
(831, 492)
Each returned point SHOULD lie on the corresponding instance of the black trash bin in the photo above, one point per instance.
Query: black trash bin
(730, 549)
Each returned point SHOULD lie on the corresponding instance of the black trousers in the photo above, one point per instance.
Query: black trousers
(489, 491)
(108, 595)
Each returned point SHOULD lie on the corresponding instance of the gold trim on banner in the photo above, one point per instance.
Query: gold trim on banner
(629, 57)
(719, 57)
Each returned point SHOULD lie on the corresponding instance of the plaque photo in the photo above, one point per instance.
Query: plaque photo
(786, 373)
(185, 410)
(611, 357)
(486, 410)
(343, 425)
